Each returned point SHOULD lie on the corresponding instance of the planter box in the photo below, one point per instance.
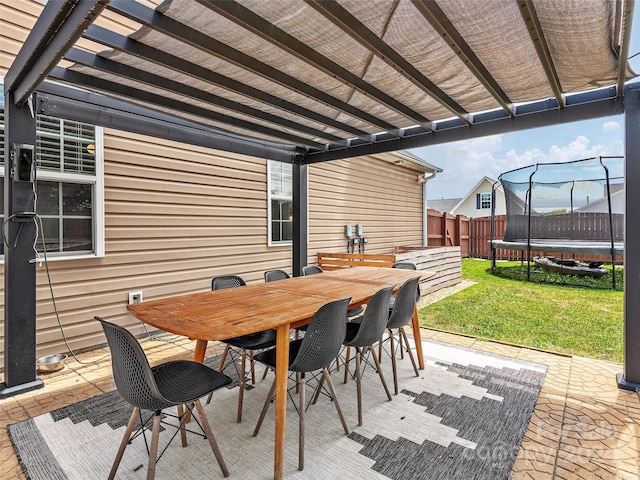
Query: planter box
(445, 261)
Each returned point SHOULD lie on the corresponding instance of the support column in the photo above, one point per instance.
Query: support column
(300, 217)
(630, 378)
(19, 273)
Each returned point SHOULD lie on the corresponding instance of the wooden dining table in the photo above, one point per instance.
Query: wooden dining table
(284, 304)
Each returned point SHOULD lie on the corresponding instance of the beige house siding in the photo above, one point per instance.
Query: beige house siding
(384, 198)
(177, 215)
(501, 204)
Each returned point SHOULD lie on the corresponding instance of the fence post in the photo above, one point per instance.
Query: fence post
(444, 229)
(472, 238)
(458, 231)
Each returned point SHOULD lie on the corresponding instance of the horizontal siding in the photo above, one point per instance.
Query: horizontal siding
(384, 198)
(175, 216)
(170, 229)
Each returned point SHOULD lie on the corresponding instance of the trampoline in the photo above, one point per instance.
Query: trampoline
(574, 208)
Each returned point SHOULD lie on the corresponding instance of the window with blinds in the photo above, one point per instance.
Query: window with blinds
(65, 146)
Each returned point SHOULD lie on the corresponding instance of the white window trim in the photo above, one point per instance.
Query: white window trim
(481, 201)
(98, 211)
(271, 243)
(269, 223)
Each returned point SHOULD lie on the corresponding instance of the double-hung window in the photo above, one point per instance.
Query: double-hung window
(280, 188)
(483, 201)
(69, 186)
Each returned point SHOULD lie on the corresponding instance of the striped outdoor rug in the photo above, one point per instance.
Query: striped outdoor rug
(463, 418)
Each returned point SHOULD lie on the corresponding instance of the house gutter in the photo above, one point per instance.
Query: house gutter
(425, 216)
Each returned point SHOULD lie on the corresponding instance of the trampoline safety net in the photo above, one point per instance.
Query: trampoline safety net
(580, 201)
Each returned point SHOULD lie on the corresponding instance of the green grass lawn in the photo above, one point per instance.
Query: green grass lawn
(584, 321)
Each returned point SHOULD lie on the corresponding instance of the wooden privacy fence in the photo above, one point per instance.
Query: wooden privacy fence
(446, 230)
(480, 233)
(585, 227)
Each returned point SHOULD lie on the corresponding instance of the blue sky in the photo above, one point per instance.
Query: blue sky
(466, 162)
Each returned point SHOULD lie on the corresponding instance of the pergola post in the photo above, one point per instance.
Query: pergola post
(300, 217)
(19, 272)
(630, 378)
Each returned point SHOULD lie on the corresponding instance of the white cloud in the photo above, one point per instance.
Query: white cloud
(575, 150)
(466, 162)
(610, 126)
(513, 160)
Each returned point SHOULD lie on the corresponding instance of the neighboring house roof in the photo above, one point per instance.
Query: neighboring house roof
(616, 187)
(444, 205)
(491, 182)
(602, 205)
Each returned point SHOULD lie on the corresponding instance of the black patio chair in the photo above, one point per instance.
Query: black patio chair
(239, 346)
(178, 383)
(315, 351)
(274, 275)
(401, 315)
(405, 266)
(362, 333)
(311, 270)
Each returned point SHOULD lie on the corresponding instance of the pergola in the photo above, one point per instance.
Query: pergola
(305, 81)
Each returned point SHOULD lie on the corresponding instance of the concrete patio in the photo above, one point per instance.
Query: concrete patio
(583, 425)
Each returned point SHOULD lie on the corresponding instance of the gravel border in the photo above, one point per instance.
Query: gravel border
(444, 292)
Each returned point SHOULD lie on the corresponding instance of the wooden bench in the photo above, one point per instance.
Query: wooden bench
(336, 261)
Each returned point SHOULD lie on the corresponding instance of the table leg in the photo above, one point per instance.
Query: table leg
(416, 337)
(282, 370)
(201, 349)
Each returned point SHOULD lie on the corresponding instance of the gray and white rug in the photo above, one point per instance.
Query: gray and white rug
(463, 418)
